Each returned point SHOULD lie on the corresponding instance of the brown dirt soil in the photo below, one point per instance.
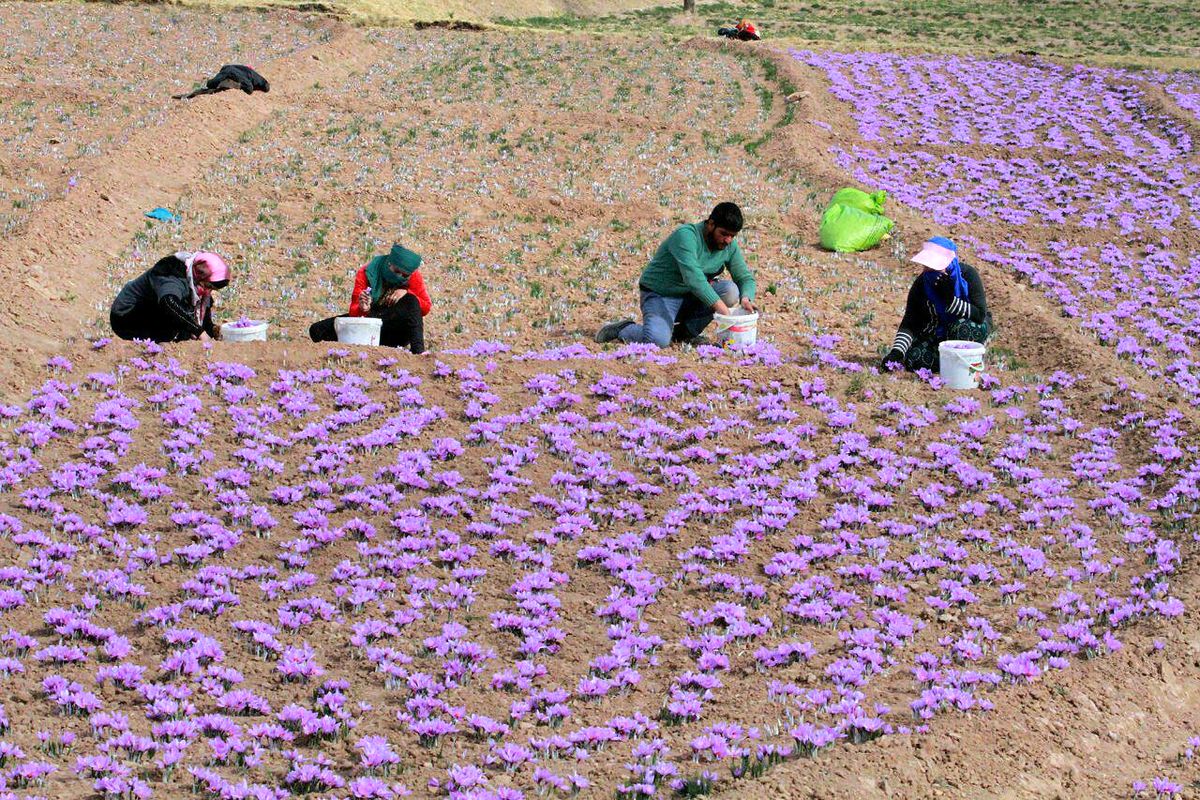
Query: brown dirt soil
(1071, 736)
(87, 228)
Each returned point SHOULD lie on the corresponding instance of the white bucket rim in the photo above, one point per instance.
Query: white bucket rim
(962, 361)
(734, 319)
(958, 348)
(257, 327)
(963, 346)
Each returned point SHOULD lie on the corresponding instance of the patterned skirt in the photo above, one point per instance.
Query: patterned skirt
(923, 354)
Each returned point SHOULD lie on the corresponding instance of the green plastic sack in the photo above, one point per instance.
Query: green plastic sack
(848, 230)
(856, 198)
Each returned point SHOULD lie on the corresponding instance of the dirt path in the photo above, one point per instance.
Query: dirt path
(1072, 734)
(54, 267)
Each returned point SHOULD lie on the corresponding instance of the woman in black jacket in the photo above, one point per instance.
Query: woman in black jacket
(946, 301)
(171, 301)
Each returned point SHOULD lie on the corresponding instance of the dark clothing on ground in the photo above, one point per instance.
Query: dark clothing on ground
(403, 325)
(917, 340)
(159, 305)
(231, 76)
(741, 36)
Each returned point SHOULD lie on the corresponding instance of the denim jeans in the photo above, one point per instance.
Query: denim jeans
(667, 319)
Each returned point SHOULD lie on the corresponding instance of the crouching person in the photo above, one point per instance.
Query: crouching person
(682, 288)
(946, 301)
(744, 31)
(172, 301)
(390, 288)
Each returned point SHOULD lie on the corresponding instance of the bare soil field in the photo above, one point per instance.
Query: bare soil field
(404, 12)
(74, 89)
(527, 565)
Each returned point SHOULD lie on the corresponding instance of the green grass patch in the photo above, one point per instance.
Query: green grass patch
(1112, 31)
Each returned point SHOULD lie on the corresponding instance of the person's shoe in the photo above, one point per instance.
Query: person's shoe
(612, 331)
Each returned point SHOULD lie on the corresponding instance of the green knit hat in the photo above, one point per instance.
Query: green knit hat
(391, 271)
(404, 260)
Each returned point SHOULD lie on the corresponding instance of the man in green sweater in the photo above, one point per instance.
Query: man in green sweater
(681, 289)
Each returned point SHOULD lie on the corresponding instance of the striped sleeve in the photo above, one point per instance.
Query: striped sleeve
(903, 341)
(960, 308)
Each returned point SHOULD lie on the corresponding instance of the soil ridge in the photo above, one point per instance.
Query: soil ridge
(55, 264)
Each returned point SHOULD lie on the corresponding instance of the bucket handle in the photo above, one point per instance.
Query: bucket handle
(970, 367)
(724, 326)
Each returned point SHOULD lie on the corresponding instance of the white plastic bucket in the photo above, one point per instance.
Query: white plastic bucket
(358, 330)
(248, 333)
(740, 327)
(961, 363)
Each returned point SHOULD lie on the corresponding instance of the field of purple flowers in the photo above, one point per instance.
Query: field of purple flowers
(1079, 180)
(501, 574)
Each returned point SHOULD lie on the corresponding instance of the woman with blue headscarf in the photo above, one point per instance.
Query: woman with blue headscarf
(946, 301)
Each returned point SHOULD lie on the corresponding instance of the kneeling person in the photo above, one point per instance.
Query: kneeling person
(681, 287)
(390, 288)
(945, 301)
(744, 31)
(172, 301)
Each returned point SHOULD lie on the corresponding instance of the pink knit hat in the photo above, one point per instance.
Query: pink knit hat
(210, 267)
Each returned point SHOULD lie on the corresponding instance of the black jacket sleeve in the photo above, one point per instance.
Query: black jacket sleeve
(175, 302)
(916, 312)
(168, 280)
(916, 317)
(209, 327)
(180, 316)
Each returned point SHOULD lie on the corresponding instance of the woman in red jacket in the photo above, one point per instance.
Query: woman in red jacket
(390, 288)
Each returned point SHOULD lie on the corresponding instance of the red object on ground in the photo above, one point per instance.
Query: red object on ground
(747, 27)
